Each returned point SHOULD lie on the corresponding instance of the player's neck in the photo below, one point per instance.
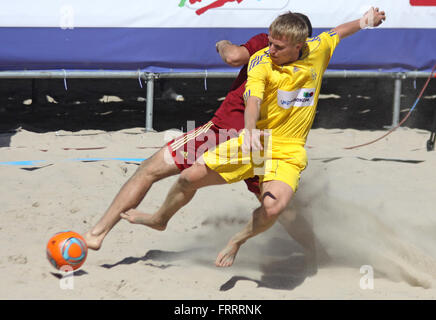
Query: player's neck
(293, 59)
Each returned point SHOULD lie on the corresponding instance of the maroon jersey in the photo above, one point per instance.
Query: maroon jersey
(231, 112)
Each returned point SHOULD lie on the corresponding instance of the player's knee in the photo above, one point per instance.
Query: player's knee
(193, 177)
(273, 207)
(186, 180)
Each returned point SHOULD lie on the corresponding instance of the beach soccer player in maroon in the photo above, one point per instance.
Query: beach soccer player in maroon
(227, 121)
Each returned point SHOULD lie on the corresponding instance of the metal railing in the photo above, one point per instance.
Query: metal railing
(150, 78)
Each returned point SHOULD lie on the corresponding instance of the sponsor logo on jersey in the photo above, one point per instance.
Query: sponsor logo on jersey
(298, 98)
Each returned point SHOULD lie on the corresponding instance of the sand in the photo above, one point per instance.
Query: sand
(371, 206)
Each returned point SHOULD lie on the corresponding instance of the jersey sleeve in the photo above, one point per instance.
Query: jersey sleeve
(329, 41)
(257, 74)
(256, 43)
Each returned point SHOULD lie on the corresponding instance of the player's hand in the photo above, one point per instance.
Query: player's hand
(252, 140)
(372, 18)
(220, 43)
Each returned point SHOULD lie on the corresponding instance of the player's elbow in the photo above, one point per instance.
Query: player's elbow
(233, 61)
(236, 57)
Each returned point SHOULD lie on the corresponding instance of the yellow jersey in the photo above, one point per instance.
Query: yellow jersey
(290, 92)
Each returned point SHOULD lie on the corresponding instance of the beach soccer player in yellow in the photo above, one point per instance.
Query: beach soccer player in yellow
(281, 95)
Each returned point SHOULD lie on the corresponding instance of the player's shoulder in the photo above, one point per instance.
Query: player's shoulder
(324, 39)
(329, 34)
(326, 35)
(261, 57)
(260, 37)
(256, 43)
(263, 53)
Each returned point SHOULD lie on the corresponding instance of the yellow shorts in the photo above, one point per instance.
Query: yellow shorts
(279, 161)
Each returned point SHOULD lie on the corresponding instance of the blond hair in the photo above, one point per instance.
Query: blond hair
(289, 26)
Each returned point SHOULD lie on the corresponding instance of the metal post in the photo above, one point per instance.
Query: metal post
(397, 101)
(149, 103)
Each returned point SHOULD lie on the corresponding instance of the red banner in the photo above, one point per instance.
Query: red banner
(423, 2)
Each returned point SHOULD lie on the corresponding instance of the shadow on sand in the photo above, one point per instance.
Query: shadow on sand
(284, 274)
(283, 267)
(76, 273)
(154, 255)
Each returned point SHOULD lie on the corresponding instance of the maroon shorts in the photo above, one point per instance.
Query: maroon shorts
(189, 147)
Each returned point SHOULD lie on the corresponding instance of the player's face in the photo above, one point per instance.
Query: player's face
(282, 51)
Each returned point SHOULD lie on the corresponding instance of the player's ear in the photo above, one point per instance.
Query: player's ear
(299, 45)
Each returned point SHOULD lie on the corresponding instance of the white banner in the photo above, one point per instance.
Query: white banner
(206, 13)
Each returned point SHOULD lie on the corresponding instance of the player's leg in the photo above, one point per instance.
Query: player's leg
(182, 191)
(131, 194)
(274, 198)
(297, 227)
(301, 231)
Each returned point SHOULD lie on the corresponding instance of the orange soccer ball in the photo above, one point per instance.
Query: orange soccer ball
(67, 248)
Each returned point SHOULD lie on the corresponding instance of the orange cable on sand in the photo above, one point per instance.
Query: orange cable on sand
(405, 118)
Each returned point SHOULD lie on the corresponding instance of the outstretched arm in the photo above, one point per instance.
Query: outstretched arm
(372, 18)
(232, 54)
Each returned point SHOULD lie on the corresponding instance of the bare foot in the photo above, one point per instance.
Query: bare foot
(93, 241)
(227, 256)
(137, 217)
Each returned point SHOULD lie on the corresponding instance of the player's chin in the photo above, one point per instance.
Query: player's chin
(275, 61)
